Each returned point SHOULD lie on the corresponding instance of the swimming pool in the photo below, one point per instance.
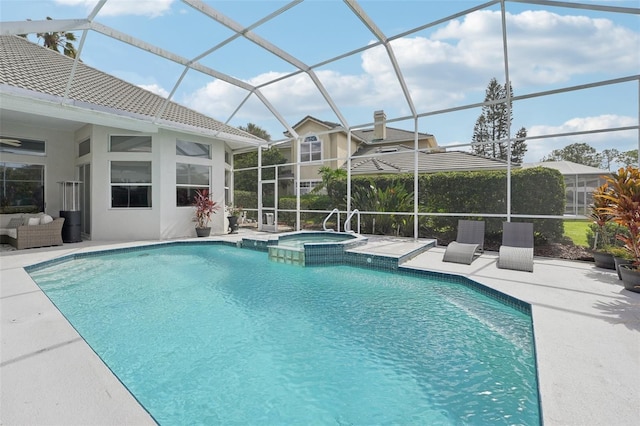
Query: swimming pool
(199, 337)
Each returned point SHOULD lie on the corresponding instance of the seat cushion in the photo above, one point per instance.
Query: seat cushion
(11, 232)
(45, 219)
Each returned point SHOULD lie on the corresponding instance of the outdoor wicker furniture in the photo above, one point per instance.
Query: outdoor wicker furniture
(30, 236)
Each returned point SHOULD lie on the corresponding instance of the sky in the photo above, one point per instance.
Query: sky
(446, 64)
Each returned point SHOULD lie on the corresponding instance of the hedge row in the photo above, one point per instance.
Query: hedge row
(535, 191)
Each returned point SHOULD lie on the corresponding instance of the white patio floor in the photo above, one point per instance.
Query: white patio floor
(587, 332)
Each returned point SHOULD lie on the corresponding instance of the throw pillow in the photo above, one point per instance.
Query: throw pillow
(34, 221)
(45, 219)
(15, 222)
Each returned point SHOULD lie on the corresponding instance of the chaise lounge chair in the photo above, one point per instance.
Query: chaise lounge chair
(516, 251)
(468, 243)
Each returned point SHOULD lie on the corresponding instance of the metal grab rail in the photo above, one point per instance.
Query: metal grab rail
(347, 221)
(324, 223)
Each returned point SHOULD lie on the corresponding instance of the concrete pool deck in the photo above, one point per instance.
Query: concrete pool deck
(587, 332)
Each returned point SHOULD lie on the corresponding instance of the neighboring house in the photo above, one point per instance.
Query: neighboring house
(319, 146)
(139, 156)
(579, 180)
(377, 150)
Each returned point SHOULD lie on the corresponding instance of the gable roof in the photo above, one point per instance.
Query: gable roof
(28, 69)
(402, 161)
(394, 135)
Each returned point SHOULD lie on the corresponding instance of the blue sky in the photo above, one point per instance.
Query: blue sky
(445, 65)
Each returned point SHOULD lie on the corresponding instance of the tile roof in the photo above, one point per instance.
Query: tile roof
(393, 135)
(28, 66)
(569, 168)
(375, 160)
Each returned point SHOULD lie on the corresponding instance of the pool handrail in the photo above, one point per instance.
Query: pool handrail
(347, 221)
(324, 223)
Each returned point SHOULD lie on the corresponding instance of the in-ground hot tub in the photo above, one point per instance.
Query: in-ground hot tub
(313, 247)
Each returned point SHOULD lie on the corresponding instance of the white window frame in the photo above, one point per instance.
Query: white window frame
(144, 151)
(190, 186)
(306, 186)
(315, 145)
(112, 185)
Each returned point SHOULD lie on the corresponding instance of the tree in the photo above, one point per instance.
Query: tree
(329, 177)
(608, 157)
(58, 40)
(256, 130)
(628, 158)
(580, 153)
(494, 124)
(247, 180)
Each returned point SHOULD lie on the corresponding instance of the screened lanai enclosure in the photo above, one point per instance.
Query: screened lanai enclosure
(384, 117)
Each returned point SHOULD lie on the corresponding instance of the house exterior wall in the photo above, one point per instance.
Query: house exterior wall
(164, 220)
(309, 171)
(57, 161)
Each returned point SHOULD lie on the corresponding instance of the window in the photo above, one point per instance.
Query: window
(193, 149)
(130, 144)
(21, 188)
(311, 149)
(307, 187)
(130, 184)
(189, 179)
(84, 148)
(21, 146)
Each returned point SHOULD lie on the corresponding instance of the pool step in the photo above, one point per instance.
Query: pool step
(291, 256)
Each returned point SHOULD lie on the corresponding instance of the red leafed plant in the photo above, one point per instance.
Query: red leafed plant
(205, 207)
(623, 204)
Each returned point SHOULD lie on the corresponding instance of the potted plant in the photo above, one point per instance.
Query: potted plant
(232, 214)
(621, 256)
(601, 218)
(205, 207)
(624, 206)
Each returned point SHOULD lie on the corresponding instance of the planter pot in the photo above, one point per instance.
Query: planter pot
(630, 278)
(604, 260)
(203, 232)
(233, 224)
(621, 261)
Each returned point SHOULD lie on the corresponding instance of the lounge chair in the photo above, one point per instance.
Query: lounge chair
(468, 243)
(516, 251)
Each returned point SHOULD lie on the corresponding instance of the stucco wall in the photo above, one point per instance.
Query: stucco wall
(164, 220)
(57, 161)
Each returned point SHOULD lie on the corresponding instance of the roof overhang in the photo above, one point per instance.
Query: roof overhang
(76, 114)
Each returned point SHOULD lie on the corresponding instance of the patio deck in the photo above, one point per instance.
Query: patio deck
(587, 333)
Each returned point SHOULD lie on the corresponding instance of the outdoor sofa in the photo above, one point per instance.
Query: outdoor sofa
(31, 232)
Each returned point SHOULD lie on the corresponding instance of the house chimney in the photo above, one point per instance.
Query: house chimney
(379, 125)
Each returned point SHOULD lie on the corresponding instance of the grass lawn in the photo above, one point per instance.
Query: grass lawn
(577, 231)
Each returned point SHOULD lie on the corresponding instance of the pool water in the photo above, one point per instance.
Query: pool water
(300, 239)
(211, 334)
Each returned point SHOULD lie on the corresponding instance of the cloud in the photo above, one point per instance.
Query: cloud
(448, 67)
(544, 48)
(622, 140)
(151, 8)
(155, 88)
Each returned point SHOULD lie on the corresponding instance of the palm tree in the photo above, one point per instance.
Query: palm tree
(256, 130)
(58, 40)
